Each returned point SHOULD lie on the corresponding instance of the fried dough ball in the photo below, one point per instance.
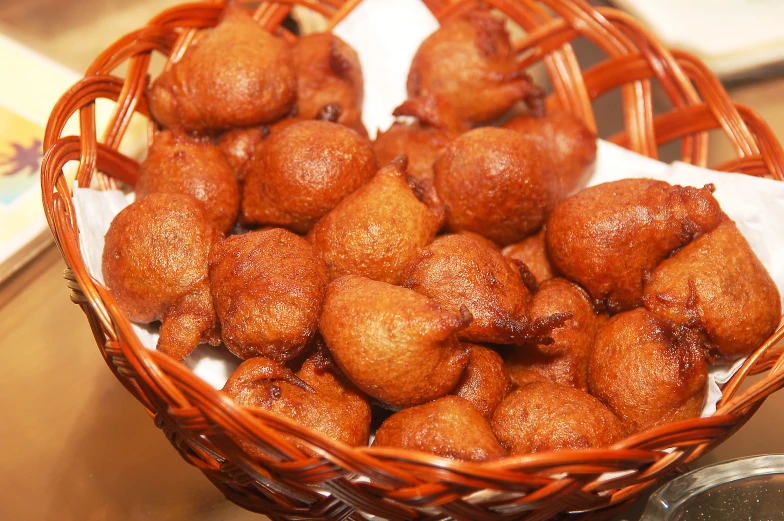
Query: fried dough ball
(376, 231)
(543, 416)
(269, 288)
(301, 173)
(179, 164)
(532, 252)
(449, 427)
(422, 140)
(471, 65)
(236, 75)
(328, 73)
(647, 371)
(565, 361)
(155, 262)
(396, 345)
(238, 145)
(717, 284)
(316, 397)
(610, 237)
(460, 271)
(485, 381)
(493, 183)
(568, 147)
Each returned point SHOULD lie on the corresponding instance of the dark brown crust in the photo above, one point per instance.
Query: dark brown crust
(211, 89)
(646, 371)
(376, 231)
(485, 381)
(176, 163)
(717, 285)
(268, 288)
(610, 237)
(449, 427)
(493, 183)
(425, 360)
(155, 262)
(303, 171)
(541, 417)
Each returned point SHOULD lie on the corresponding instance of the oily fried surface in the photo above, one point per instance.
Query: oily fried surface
(717, 284)
(448, 427)
(565, 361)
(268, 287)
(470, 63)
(646, 371)
(316, 397)
(421, 140)
(460, 271)
(532, 252)
(238, 145)
(541, 417)
(155, 262)
(328, 73)
(569, 148)
(396, 345)
(236, 75)
(493, 183)
(299, 174)
(610, 237)
(376, 231)
(485, 381)
(180, 164)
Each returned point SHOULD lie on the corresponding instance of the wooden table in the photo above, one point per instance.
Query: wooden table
(74, 444)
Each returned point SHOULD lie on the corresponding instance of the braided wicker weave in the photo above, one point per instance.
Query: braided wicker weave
(204, 424)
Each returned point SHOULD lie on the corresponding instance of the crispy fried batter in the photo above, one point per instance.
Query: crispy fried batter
(236, 75)
(717, 284)
(448, 427)
(647, 371)
(396, 345)
(268, 287)
(610, 237)
(485, 381)
(541, 417)
(155, 262)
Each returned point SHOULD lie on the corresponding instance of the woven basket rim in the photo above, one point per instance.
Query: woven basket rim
(188, 409)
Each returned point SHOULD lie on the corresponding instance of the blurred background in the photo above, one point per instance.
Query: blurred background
(75, 445)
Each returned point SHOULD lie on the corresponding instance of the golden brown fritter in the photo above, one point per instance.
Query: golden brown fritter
(316, 398)
(422, 140)
(543, 416)
(269, 288)
(493, 183)
(236, 75)
(610, 237)
(449, 427)
(647, 371)
(471, 65)
(302, 172)
(717, 284)
(376, 231)
(485, 381)
(328, 73)
(532, 252)
(238, 145)
(460, 271)
(393, 343)
(155, 262)
(565, 361)
(179, 164)
(569, 148)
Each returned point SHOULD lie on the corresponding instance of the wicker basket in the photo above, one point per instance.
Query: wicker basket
(203, 423)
